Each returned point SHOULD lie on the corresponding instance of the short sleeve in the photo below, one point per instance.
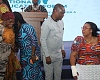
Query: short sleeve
(76, 43)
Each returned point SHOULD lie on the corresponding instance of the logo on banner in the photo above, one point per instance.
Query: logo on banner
(24, 3)
(44, 1)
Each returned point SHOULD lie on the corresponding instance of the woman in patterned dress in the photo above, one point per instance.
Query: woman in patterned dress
(29, 49)
(85, 54)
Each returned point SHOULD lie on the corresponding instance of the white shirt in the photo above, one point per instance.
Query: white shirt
(52, 38)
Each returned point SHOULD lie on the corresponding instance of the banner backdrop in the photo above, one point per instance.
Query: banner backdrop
(77, 13)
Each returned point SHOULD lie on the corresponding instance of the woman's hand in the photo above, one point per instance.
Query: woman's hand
(74, 72)
(33, 59)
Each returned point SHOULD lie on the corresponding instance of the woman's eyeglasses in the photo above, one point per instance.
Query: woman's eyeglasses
(85, 28)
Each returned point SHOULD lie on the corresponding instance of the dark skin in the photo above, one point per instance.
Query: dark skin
(35, 4)
(9, 23)
(87, 33)
(63, 53)
(33, 56)
(57, 14)
(48, 59)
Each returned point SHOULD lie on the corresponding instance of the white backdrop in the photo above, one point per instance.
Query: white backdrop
(77, 13)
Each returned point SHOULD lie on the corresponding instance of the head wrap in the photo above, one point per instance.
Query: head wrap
(3, 9)
(7, 16)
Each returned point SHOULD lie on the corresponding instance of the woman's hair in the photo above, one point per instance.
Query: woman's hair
(7, 3)
(94, 28)
(18, 18)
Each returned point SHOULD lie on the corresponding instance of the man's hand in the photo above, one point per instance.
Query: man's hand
(48, 60)
(63, 53)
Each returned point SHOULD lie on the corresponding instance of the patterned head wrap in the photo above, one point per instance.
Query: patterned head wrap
(7, 16)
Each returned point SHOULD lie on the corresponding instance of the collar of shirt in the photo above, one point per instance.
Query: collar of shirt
(53, 19)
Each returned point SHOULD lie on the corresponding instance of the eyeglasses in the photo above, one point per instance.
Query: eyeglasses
(85, 28)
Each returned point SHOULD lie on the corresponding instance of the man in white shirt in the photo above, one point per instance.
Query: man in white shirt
(52, 48)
